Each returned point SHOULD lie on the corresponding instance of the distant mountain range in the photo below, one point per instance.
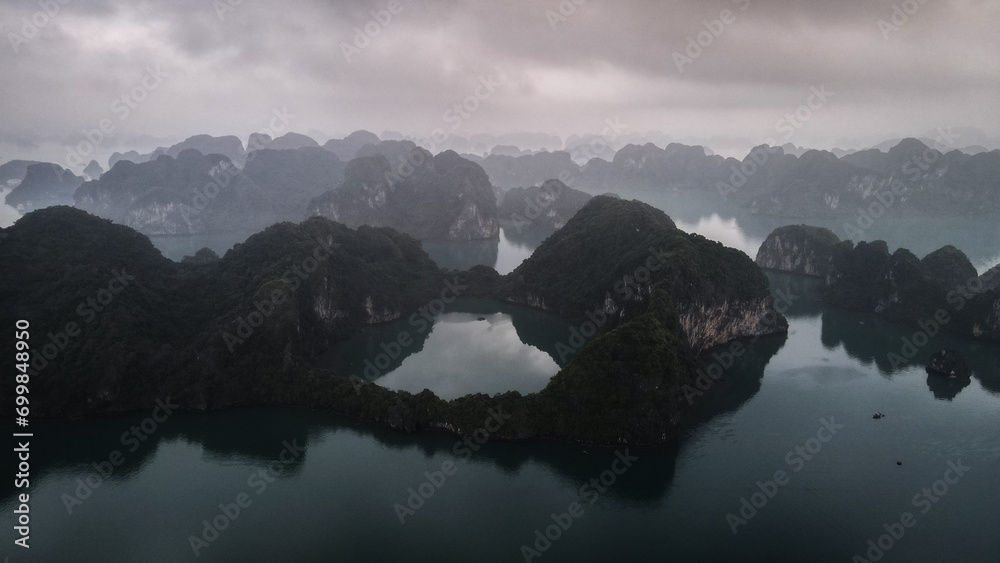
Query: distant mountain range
(207, 184)
(909, 179)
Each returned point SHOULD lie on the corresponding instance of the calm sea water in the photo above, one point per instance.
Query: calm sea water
(336, 497)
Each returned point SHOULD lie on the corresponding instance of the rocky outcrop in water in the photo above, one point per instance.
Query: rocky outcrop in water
(214, 334)
(44, 184)
(942, 291)
(548, 206)
(950, 364)
(247, 328)
(615, 257)
(443, 197)
(798, 249)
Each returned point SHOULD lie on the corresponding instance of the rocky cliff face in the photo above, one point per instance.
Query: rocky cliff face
(628, 252)
(44, 184)
(798, 249)
(442, 197)
(898, 286)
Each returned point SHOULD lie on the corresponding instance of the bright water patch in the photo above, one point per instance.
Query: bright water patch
(463, 355)
(726, 231)
(476, 346)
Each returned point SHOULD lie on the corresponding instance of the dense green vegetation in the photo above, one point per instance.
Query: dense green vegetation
(248, 327)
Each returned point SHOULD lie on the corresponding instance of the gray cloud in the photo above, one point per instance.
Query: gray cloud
(227, 74)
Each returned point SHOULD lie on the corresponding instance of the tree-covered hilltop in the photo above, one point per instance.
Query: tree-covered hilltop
(443, 197)
(898, 286)
(615, 255)
(147, 327)
(547, 206)
(248, 328)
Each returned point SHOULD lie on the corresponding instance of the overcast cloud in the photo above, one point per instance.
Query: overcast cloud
(224, 67)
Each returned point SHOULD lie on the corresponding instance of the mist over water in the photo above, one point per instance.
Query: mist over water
(726, 231)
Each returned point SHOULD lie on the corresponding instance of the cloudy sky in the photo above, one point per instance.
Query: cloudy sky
(161, 71)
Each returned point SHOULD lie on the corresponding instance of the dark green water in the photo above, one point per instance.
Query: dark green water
(335, 500)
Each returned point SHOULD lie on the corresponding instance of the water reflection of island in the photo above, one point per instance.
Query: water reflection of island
(888, 346)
